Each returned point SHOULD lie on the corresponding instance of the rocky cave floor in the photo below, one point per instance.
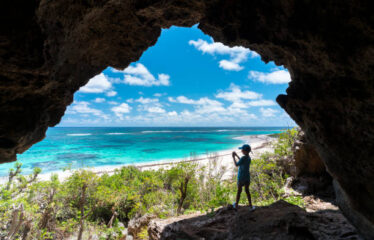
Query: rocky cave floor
(281, 220)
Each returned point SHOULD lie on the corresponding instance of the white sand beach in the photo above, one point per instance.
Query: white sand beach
(259, 143)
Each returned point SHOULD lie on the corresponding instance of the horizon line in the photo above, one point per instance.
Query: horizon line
(173, 126)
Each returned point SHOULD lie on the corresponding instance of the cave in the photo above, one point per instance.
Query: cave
(49, 49)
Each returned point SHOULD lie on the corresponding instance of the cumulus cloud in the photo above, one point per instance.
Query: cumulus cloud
(238, 97)
(203, 105)
(146, 100)
(237, 54)
(229, 65)
(268, 112)
(201, 101)
(159, 94)
(139, 75)
(97, 84)
(99, 100)
(261, 103)
(186, 118)
(150, 105)
(120, 110)
(111, 93)
(173, 113)
(155, 110)
(235, 94)
(275, 77)
(83, 107)
(206, 109)
(238, 105)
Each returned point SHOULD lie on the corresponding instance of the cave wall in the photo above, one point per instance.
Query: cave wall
(49, 49)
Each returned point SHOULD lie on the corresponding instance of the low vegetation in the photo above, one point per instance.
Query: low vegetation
(86, 204)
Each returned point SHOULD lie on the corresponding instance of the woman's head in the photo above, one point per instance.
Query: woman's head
(246, 149)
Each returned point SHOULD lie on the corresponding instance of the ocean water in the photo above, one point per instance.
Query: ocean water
(77, 147)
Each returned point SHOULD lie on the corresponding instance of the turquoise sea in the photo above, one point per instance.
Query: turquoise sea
(94, 146)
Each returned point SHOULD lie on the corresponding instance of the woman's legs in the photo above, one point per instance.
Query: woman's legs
(238, 194)
(246, 188)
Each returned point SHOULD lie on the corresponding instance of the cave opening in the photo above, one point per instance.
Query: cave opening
(184, 80)
(52, 48)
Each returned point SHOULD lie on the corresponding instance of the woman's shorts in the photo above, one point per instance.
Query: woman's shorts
(243, 183)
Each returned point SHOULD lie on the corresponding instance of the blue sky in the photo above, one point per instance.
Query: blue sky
(186, 79)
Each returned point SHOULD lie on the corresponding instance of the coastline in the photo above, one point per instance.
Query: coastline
(259, 143)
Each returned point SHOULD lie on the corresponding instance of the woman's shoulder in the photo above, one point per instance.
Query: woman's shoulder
(246, 157)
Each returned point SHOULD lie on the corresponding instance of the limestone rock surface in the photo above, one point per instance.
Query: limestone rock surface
(280, 220)
(306, 158)
(136, 224)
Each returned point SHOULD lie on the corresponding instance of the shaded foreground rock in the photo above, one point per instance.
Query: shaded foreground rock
(308, 170)
(137, 224)
(307, 160)
(280, 220)
(49, 49)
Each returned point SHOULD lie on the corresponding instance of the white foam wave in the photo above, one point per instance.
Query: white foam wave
(156, 131)
(78, 134)
(229, 130)
(169, 131)
(242, 130)
(116, 133)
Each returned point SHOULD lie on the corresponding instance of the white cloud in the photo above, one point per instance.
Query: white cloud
(99, 100)
(145, 100)
(97, 84)
(231, 66)
(239, 105)
(173, 113)
(121, 109)
(150, 105)
(275, 77)
(236, 94)
(199, 116)
(139, 75)
(201, 101)
(268, 112)
(164, 79)
(114, 79)
(262, 102)
(220, 48)
(206, 109)
(237, 54)
(156, 110)
(113, 102)
(203, 105)
(111, 93)
(84, 108)
(159, 94)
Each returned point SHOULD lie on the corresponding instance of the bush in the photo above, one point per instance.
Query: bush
(283, 145)
(87, 202)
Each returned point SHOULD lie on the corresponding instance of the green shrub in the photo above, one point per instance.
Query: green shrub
(285, 140)
(53, 209)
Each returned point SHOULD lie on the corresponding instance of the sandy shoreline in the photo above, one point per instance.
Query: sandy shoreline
(259, 143)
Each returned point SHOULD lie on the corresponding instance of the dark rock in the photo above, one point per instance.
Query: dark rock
(355, 217)
(309, 171)
(306, 159)
(280, 220)
(49, 49)
(137, 224)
